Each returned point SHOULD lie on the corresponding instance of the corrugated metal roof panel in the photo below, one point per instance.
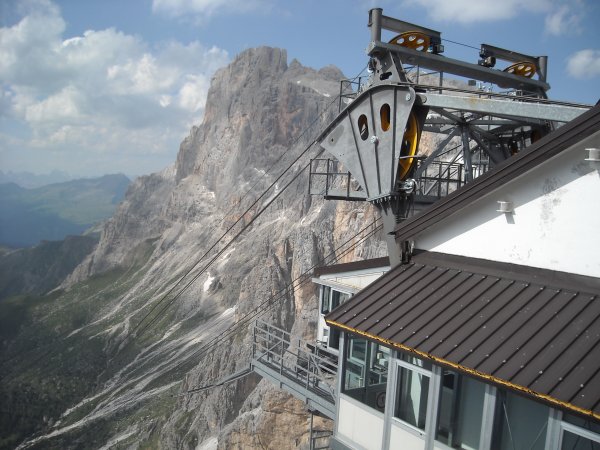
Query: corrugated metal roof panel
(527, 328)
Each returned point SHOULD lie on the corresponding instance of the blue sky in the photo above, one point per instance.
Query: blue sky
(94, 87)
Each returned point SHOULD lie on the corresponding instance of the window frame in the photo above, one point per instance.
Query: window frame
(578, 431)
(400, 363)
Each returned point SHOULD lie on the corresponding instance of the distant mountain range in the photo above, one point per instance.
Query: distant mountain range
(32, 180)
(52, 212)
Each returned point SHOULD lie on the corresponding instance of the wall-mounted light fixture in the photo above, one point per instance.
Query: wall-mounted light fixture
(593, 154)
(505, 207)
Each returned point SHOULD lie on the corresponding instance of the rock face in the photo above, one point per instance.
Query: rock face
(261, 114)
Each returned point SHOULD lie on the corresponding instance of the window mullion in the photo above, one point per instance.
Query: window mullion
(553, 431)
(432, 406)
(574, 429)
(487, 421)
(390, 399)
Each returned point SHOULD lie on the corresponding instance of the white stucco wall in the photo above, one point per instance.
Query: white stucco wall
(359, 424)
(401, 438)
(555, 224)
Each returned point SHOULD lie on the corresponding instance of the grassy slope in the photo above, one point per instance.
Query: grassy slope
(43, 368)
(41, 268)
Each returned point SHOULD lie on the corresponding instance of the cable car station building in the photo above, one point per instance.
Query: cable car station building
(482, 330)
(489, 337)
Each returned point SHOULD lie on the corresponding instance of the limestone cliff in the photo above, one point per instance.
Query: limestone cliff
(261, 113)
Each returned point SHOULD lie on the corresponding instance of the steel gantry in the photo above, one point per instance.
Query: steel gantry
(375, 140)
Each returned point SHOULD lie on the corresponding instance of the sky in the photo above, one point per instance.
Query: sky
(93, 87)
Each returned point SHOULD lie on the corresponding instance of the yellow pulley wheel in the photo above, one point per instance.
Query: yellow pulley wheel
(412, 39)
(522, 69)
(408, 146)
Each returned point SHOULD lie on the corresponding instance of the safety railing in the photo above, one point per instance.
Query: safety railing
(349, 89)
(441, 178)
(328, 178)
(294, 359)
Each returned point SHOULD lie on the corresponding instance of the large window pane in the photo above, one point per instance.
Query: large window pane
(411, 398)
(460, 411)
(358, 350)
(325, 295)
(520, 423)
(337, 298)
(365, 372)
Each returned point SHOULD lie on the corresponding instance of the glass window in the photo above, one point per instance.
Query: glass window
(331, 299)
(411, 396)
(573, 441)
(365, 371)
(520, 423)
(334, 339)
(385, 114)
(460, 411)
(572, 438)
(337, 298)
(358, 350)
(582, 422)
(363, 127)
(325, 294)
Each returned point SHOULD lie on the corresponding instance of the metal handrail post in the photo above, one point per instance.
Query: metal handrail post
(327, 177)
(281, 361)
(254, 341)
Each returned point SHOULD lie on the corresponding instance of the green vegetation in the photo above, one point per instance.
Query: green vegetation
(54, 352)
(42, 268)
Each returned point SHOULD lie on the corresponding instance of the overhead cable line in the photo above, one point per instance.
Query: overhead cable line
(138, 326)
(298, 282)
(244, 322)
(240, 218)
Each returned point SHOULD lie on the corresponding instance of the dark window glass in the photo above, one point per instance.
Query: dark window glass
(385, 114)
(411, 397)
(365, 372)
(325, 299)
(519, 423)
(460, 411)
(363, 127)
(572, 441)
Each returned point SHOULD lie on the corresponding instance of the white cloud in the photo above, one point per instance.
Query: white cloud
(193, 93)
(584, 64)
(205, 8)
(565, 19)
(467, 11)
(99, 92)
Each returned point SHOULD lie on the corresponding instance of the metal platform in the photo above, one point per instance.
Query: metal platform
(302, 369)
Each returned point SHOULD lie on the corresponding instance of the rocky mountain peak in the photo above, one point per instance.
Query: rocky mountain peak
(254, 104)
(260, 114)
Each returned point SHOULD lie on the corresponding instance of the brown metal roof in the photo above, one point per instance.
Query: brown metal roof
(547, 147)
(532, 330)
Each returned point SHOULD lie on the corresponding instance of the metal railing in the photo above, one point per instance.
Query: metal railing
(295, 360)
(441, 178)
(327, 177)
(349, 89)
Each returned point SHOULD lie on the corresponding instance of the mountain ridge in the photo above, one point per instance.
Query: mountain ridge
(143, 335)
(54, 211)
